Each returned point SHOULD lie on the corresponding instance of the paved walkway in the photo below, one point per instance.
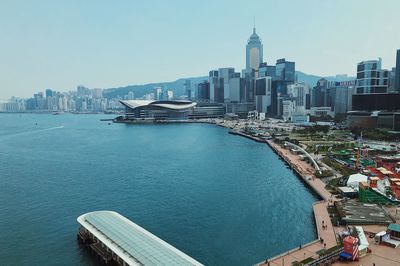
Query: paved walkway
(304, 169)
(320, 213)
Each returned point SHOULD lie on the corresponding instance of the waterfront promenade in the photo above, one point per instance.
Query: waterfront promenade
(303, 169)
(321, 215)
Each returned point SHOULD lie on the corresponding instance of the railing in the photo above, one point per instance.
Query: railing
(316, 166)
(328, 258)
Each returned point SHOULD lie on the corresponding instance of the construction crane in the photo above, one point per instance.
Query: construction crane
(358, 156)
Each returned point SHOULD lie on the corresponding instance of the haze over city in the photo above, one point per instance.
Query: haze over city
(200, 133)
(60, 45)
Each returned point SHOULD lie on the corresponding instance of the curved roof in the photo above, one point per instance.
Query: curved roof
(132, 243)
(173, 105)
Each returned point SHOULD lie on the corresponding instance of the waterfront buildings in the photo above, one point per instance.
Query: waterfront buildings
(13, 105)
(371, 78)
(81, 100)
(157, 110)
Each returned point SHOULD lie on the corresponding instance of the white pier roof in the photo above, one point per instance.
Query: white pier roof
(132, 243)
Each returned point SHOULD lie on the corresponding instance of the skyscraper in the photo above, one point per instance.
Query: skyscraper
(319, 95)
(131, 95)
(203, 91)
(284, 76)
(157, 93)
(254, 51)
(397, 77)
(188, 88)
(226, 74)
(263, 94)
(371, 78)
(285, 70)
(49, 93)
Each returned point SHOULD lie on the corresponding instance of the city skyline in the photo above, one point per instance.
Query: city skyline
(106, 45)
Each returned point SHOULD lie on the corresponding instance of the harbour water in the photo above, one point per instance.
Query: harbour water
(222, 199)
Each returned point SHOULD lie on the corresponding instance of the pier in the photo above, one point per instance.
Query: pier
(118, 241)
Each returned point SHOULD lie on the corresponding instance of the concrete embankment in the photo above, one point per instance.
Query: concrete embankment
(326, 235)
(261, 140)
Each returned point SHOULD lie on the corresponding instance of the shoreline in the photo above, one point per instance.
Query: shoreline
(319, 209)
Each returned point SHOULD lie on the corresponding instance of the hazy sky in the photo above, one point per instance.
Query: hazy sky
(61, 44)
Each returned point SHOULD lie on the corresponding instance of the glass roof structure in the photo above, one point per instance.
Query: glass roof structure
(132, 243)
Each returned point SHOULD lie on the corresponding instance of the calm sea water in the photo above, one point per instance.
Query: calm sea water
(222, 199)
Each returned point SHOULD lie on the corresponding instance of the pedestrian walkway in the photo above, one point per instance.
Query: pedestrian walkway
(323, 223)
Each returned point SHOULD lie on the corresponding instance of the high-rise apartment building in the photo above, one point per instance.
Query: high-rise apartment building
(371, 78)
(157, 93)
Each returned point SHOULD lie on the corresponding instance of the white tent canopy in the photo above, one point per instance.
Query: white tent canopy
(355, 179)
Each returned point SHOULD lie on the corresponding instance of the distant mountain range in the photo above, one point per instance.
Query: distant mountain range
(178, 87)
(312, 79)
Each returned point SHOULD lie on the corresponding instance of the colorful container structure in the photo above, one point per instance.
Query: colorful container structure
(350, 252)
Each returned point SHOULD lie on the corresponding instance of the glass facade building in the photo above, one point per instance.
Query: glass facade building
(371, 78)
(254, 51)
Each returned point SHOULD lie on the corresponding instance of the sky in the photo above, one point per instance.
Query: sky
(102, 44)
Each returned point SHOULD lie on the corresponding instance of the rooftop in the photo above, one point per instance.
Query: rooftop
(354, 212)
(132, 243)
(394, 227)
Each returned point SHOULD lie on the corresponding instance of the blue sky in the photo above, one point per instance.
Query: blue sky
(61, 44)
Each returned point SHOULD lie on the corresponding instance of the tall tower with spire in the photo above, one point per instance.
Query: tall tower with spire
(254, 50)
